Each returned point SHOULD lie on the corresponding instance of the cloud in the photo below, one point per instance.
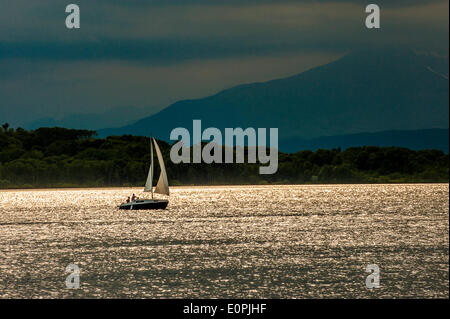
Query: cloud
(171, 34)
(151, 53)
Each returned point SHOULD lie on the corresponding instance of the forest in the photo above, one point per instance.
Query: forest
(59, 157)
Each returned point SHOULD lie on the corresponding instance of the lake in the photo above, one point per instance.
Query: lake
(297, 241)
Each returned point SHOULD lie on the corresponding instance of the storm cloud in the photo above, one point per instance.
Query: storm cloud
(152, 53)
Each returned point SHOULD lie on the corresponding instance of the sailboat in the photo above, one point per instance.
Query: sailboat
(162, 187)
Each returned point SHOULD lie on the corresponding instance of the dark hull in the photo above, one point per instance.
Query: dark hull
(145, 204)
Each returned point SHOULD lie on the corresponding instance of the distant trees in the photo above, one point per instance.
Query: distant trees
(58, 157)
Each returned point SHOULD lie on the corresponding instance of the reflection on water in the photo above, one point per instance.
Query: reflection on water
(228, 242)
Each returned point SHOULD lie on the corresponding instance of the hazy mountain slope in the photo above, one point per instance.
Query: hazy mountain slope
(415, 140)
(115, 117)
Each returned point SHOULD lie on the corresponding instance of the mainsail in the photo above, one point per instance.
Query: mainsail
(162, 187)
(149, 183)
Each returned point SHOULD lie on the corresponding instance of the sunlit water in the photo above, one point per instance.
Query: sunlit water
(228, 242)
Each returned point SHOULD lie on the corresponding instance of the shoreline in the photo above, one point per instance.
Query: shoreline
(212, 186)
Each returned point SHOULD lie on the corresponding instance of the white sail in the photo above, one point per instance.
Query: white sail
(149, 183)
(162, 187)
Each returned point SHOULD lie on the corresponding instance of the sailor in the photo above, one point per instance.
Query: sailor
(128, 199)
(133, 198)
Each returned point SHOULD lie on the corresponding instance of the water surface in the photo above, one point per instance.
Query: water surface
(228, 242)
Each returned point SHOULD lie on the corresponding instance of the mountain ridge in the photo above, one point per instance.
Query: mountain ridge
(366, 91)
(414, 140)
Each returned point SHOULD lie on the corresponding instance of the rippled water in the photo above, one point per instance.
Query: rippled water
(228, 242)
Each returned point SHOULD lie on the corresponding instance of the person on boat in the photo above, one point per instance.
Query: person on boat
(133, 198)
(128, 199)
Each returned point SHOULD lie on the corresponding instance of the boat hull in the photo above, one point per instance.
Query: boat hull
(146, 204)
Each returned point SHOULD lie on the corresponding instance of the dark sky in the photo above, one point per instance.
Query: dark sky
(152, 53)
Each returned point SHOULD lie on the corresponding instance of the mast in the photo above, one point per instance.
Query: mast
(151, 156)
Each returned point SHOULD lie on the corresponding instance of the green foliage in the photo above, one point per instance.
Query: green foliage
(58, 157)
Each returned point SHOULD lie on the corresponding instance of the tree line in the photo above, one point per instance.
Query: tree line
(59, 157)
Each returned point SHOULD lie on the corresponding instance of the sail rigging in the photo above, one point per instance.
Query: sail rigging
(149, 183)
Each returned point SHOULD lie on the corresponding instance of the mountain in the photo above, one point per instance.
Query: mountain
(415, 140)
(366, 91)
(115, 117)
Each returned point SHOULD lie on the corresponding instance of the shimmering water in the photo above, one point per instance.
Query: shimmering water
(228, 242)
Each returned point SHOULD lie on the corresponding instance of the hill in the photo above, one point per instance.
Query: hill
(58, 157)
(416, 140)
